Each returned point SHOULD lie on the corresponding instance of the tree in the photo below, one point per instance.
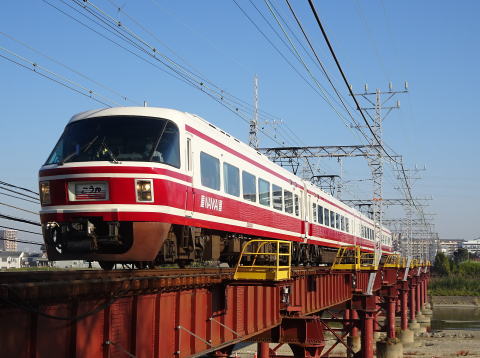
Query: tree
(441, 265)
(460, 255)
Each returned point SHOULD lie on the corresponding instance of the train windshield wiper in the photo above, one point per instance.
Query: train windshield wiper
(108, 151)
(77, 152)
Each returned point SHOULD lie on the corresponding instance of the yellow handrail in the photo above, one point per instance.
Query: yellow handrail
(275, 272)
(393, 261)
(348, 258)
(351, 258)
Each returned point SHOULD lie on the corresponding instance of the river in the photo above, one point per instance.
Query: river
(451, 317)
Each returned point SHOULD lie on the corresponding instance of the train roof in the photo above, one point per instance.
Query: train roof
(158, 112)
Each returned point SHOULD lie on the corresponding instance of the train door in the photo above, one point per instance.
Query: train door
(306, 205)
(189, 168)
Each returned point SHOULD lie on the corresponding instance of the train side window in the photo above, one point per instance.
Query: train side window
(264, 192)
(277, 197)
(210, 171)
(231, 179)
(337, 222)
(288, 197)
(327, 217)
(320, 214)
(343, 223)
(167, 147)
(314, 207)
(297, 206)
(332, 219)
(347, 225)
(249, 187)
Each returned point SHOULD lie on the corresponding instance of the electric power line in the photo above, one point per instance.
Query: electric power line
(18, 193)
(20, 198)
(17, 187)
(17, 208)
(13, 218)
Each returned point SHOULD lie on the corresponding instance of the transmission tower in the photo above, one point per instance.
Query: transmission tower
(378, 108)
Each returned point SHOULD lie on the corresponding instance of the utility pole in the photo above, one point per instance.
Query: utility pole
(253, 137)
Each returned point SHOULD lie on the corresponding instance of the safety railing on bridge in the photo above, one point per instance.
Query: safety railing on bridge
(351, 258)
(393, 261)
(264, 260)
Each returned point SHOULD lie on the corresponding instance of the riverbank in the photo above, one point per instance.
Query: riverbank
(445, 344)
(441, 344)
(467, 301)
(454, 285)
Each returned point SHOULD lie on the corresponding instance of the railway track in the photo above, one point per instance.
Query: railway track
(43, 286)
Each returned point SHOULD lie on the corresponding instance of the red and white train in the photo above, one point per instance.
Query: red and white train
(154, 185)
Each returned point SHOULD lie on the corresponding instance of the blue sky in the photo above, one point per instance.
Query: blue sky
(431, 44)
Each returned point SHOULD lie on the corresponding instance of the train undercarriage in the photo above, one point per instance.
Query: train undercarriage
(109, 243)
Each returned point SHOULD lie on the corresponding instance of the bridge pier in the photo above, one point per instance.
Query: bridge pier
(406, 335)
(366, 308)
(263, 350)
(412, 324)
(353, 338)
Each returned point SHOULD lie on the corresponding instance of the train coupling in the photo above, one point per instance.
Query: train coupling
(83, 236)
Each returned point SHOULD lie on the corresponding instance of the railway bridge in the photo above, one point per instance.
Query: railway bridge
(205, 312)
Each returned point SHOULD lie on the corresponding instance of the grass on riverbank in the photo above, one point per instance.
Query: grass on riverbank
(454, 285)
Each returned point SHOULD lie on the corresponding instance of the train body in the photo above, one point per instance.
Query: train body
(153, 185)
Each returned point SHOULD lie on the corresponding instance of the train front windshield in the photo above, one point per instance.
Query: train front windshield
(117, 139)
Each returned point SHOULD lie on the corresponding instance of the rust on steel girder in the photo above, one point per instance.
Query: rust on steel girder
(181, 313)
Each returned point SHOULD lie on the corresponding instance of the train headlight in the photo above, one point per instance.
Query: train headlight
(45, 198)
(144, 189)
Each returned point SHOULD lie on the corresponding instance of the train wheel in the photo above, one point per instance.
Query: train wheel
(106, 265)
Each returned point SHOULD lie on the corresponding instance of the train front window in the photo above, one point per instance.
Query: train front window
(117, 139)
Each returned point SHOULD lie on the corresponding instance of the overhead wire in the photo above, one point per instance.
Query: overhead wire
(346, 83)
(18, 208)
(275, 47)
(197, 32)
(18, 187)
(18, 193)
(372, 39)
(315, 89)
(19, 198)
(35, 68)
(187, 75)
(317, 18)
(13, 218)
(96, 82)
(312, 48)
(324, 92)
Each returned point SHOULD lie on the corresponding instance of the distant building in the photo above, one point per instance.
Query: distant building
(425, 249)
(473, 246)
(11, 259)
(8, 240)
(74, 264)
(35, 260)
(449, 246)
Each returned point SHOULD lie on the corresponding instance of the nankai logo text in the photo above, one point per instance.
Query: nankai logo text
(211, 203)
